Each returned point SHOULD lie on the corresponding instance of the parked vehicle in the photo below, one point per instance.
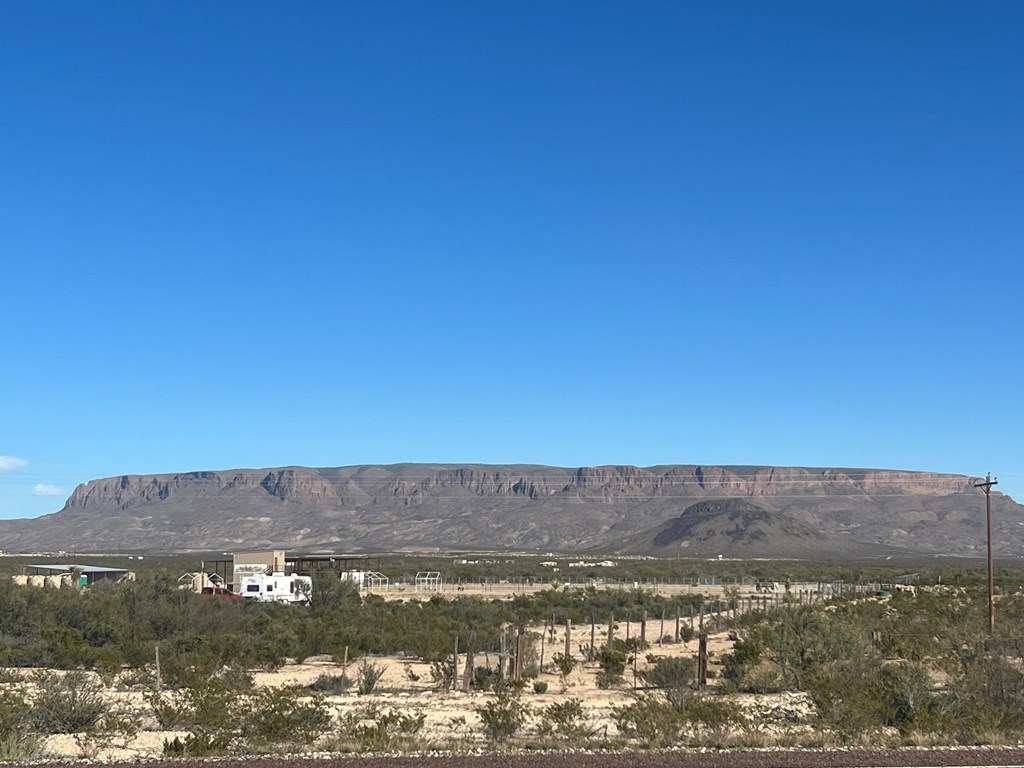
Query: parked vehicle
(276, 588)
(218, 593)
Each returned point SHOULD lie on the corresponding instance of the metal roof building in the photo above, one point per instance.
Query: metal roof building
(86, 574)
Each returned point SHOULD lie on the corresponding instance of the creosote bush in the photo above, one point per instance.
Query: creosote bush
(18, 741)
(66, 703)
(284, 715)
(503, 717)
(208, 707)
(612, 662)
(371, 728)
(566, 719)
(368, 675)
(674, 675)
(649, 720)
(565, 664)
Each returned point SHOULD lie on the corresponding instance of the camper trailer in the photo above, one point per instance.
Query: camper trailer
(275, 587)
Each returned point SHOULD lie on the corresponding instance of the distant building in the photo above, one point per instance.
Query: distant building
(72, 574)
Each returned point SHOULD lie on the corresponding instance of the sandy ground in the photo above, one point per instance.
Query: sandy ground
(407, 684)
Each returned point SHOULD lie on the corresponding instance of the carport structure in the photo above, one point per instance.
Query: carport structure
(81, 575)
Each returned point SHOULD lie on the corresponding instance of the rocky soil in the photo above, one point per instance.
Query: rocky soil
(859, 758)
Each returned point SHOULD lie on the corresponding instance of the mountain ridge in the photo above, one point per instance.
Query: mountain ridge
(513, 506)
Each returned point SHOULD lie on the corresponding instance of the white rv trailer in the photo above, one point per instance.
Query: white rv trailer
(275, 587)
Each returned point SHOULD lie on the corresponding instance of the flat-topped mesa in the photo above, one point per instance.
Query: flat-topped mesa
(514, 506)
(599, 483)
(130, 490)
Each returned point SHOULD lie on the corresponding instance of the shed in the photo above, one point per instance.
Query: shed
(83, 575)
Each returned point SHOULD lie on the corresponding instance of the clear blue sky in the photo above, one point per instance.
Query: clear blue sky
(241, 234)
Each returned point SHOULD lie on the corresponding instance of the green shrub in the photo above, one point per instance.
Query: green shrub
(197, 745)
(745, 656)
(209, 707)
(15, 712)
(715, 715)
(503, 717)
(612, 663)
(285, 715)
(115, 728)
(651, 721)
(485, 678)
(371, 729)
(19, 747)
(858, 696)
(66, 703)
(674, 676)
(107, 662)
(368, 675)
(67, 647)
(170, 708)
(17, 741)
(564, 718)
(564, 664)
(539, 686)
(442, 674)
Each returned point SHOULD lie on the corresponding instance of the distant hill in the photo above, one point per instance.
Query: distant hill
(736, 528)
(479, 506)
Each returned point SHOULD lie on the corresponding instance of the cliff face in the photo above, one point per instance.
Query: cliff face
(423, 506)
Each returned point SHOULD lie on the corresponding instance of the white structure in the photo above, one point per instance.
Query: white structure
(275, 587)
(199, 580)
(365, 579)
(429, 581)
(252, 563)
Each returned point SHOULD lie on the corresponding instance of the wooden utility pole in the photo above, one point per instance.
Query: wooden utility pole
(986, 486)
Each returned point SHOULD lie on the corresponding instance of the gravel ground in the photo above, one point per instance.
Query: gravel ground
(854, 758)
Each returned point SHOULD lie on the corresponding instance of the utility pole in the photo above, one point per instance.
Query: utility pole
(986, 486)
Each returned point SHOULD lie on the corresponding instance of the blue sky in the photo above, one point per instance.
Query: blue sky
(258, 234)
